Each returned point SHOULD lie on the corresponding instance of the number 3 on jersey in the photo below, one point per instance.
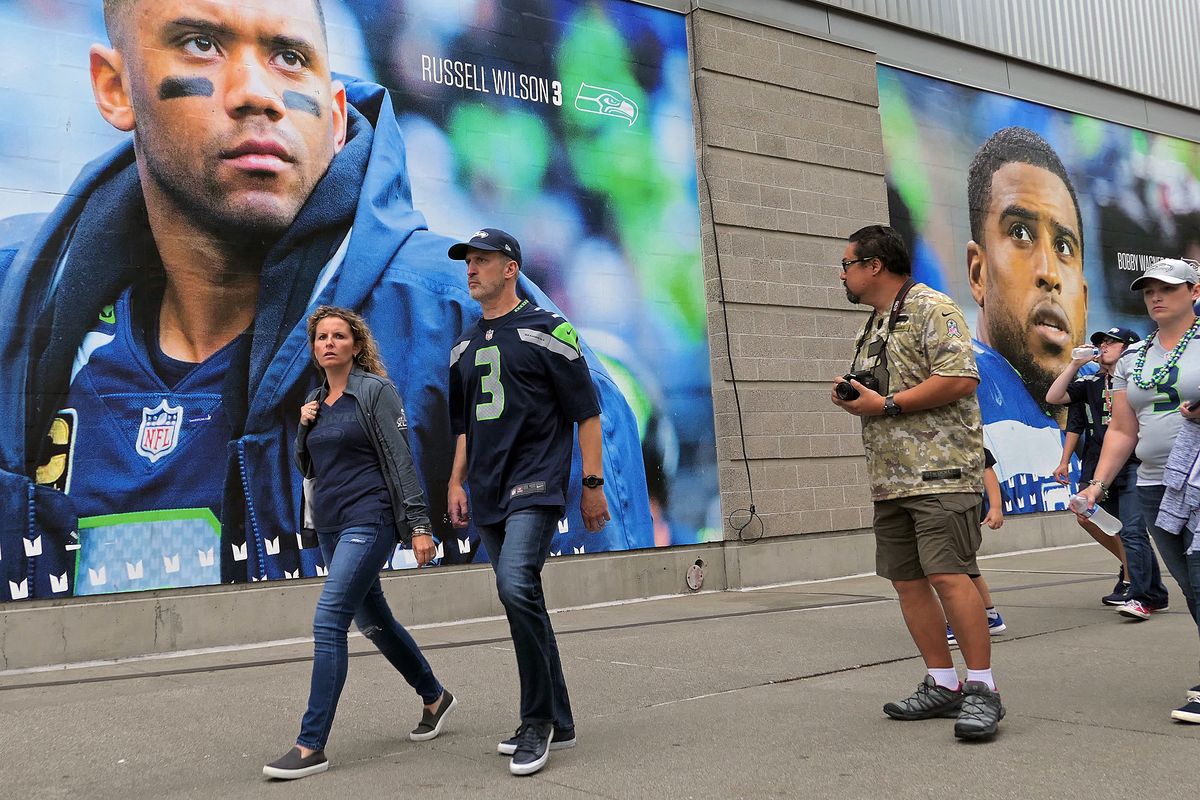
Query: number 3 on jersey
(1167, 388)
(489, 384)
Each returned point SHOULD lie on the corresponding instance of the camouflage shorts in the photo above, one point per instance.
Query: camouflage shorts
(927, 535)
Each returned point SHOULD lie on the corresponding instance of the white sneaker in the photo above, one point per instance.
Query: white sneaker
(1135, 609)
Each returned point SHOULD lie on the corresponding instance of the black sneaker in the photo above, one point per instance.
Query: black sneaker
(533, 749)
(981, 711)
(1188, 713)
(564, 739)
(927, 702)
(431, 722)
(1193, 693)
(292, 765)
(1120, 594)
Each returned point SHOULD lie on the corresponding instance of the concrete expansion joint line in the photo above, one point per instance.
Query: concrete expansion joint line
(1008, 641)
(1169, 733)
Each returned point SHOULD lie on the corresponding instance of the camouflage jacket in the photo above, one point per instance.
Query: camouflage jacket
(939, 450)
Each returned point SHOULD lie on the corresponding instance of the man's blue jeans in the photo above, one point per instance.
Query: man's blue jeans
(517, 548)
(1145, 578)
(354, 557)
(1173, 547)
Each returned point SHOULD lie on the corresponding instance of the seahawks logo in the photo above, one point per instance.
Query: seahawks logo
(605, 102)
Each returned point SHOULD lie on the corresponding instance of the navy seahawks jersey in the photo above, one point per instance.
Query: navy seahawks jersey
(518, 385)
(143, 463)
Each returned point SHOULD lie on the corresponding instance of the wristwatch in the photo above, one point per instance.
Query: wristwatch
(890, 409)
(593, 481)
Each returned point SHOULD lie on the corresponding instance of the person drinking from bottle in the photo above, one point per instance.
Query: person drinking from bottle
(1155, 393)
(1139, 590)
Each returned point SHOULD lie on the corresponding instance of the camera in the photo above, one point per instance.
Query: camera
(845, 391)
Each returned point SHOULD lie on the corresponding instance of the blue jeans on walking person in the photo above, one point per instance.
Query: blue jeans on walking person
(1173, 547)
(517, 548)
(1145, 577)
(354, 557)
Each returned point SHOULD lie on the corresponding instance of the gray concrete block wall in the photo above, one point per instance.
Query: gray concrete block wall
(791, 150)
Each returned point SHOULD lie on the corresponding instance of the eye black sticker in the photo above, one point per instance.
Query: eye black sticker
(302, 102)
(174, 87)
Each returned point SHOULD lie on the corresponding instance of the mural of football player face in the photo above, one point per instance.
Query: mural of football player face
(1026, 273)
(234, 114)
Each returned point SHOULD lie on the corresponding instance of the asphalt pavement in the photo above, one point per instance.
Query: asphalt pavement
(775, 692)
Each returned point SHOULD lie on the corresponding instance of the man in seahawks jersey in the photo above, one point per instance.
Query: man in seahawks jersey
(154, 351)
(519, 385)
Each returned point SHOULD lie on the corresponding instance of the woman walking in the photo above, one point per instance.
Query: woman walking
(1155, 394)
(352, 444)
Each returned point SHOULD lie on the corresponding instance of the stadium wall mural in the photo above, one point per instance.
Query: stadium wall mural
(196, 160)
(1035, 220)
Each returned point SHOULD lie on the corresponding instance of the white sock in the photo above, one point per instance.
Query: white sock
(992, 613)
(945, 677)
(981, 675)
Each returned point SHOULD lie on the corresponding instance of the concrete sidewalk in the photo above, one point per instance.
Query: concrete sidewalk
(768, 693)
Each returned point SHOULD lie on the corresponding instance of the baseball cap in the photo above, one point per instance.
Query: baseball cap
(1168, 270)
(1120, 334)
(488, 239)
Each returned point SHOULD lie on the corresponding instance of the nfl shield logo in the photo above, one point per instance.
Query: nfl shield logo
(488, 335)
(160, 430)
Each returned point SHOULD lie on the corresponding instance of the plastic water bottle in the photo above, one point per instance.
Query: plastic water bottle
(1099, 517)
(1085, 351)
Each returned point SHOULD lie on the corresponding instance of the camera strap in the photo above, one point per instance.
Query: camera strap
(893, 319)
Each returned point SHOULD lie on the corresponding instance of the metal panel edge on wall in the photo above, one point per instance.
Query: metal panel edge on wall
(1148, 50)
(972, 64)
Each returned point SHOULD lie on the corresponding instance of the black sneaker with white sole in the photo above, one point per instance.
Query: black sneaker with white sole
(564, 739)
(1193, 693)
(432, 721)
(533, 749)
(292, 765)
(1188, 713)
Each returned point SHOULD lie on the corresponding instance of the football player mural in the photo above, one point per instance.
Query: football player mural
(1035, 220)
(210, 171)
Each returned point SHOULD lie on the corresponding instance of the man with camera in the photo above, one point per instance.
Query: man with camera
(913, 380)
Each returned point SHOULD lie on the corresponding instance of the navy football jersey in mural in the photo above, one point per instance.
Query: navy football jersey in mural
(142, 461)
(518, 385)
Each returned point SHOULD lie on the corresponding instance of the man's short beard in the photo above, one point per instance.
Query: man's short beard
(237, 228)
(851, 296)
(199, 198)
(1007, 340)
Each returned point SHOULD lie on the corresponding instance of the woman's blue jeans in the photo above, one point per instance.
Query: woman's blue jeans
(1144, 578)
(1184, 568)
(354, 557)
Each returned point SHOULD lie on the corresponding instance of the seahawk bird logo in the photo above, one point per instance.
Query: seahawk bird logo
(606, 102)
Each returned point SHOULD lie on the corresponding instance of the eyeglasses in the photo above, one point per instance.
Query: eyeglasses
(847, 263)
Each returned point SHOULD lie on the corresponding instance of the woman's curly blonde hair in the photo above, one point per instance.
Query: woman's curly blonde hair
(368, 353)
